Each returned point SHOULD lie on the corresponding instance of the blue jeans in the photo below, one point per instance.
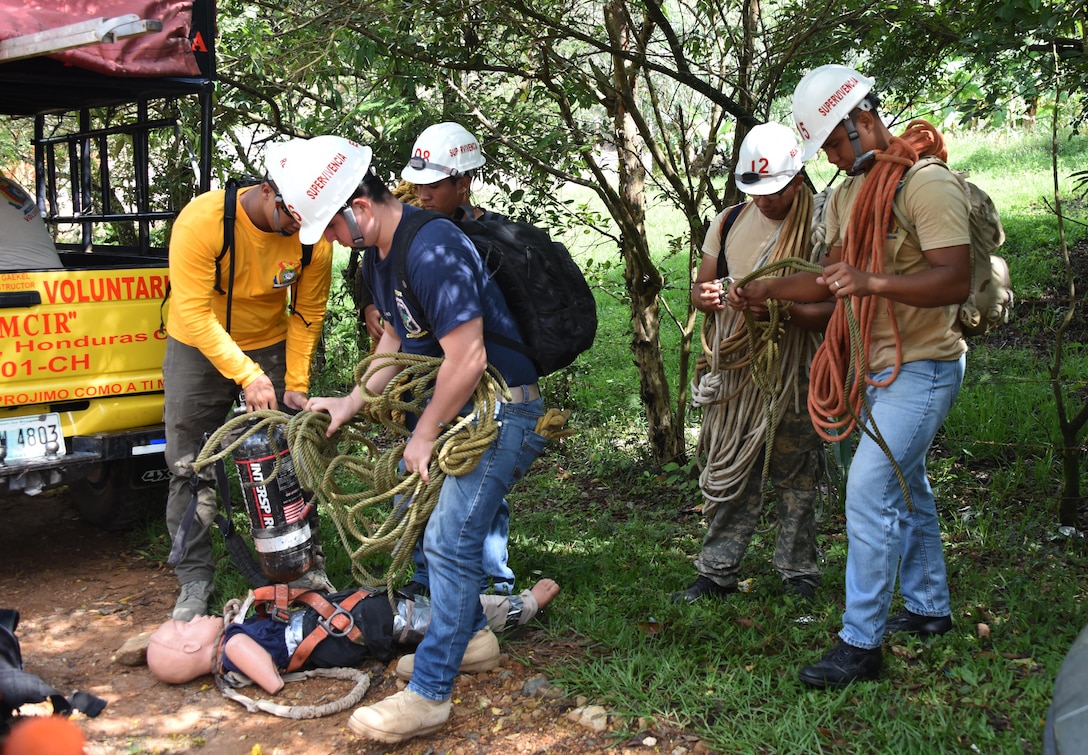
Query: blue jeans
(498, 576)
(884, 538)
(453, 546)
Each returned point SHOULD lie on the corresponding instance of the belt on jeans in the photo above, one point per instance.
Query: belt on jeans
(522, 394)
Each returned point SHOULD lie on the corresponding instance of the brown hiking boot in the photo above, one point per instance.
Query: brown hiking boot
(481, 654)
(400, 717)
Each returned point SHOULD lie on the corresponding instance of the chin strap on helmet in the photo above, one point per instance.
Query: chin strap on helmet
(353, 227)
(277, 226)
(862, 160)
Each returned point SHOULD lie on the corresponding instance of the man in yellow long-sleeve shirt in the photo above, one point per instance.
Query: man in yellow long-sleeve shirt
(249, 322)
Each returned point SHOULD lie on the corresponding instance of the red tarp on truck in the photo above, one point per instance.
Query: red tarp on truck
(177, 57)
(164, 53)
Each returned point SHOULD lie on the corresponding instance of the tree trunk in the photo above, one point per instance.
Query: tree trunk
(641, 275)
(1070, 501)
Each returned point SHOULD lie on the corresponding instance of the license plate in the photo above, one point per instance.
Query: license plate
(31, 437)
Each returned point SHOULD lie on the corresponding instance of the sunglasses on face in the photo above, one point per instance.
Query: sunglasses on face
(418, 162)
(751, 177)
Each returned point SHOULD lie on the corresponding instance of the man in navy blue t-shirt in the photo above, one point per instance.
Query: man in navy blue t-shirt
(458, 303)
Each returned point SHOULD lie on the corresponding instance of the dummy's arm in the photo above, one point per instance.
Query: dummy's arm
(253, 661)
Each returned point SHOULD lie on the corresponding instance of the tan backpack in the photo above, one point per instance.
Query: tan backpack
(991, 299)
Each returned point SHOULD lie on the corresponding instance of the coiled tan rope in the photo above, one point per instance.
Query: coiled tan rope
(747, 369)
(407, 193)
(374, 507)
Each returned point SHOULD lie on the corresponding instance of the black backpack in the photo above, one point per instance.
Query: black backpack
(18, 687)
(548, 296)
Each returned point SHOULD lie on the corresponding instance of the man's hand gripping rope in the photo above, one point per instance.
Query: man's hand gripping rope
(765, 372)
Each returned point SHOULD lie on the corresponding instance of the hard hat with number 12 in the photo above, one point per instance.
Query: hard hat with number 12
(769, 159)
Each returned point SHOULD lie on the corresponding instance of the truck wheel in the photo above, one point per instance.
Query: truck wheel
(116, 495)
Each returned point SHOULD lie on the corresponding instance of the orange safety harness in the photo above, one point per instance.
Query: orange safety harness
(335, 619)
(838, 377)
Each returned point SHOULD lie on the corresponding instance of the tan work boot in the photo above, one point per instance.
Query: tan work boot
(481, 654)
(400, 717)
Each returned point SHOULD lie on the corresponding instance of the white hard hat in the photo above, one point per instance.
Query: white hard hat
(316, 177)
(770, 156)
(822, 99)
(444, 150)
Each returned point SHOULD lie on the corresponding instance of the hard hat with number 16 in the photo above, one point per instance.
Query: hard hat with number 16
(823, 99)
(316, 177)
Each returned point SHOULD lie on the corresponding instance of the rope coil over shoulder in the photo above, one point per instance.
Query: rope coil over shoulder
(835, 412)
(839, 376)
(748, 368)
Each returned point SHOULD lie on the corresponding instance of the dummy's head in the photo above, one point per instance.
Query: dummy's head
(180, 651)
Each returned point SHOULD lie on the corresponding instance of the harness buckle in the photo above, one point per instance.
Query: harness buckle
(326, 622)
(281, 614)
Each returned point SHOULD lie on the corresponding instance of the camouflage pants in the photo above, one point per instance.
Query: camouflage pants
(794, 473)
(198, 401)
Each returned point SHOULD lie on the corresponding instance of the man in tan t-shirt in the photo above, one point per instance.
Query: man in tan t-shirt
(904, 289)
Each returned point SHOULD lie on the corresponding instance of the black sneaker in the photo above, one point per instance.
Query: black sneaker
(923, 626)
(843, 664)
(412, 590)
(702, 587)
(799, 588)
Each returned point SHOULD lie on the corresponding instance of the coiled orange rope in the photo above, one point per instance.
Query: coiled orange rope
(839, 371)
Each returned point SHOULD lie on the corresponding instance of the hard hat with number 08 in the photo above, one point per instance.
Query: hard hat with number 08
(444, 150)
(316, 177)
(823, 99)
(770, 156)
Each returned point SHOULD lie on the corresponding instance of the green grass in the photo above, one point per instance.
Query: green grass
(728, 671)
(619, 538)
(619, 535)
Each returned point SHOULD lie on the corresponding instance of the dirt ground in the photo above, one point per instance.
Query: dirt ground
(82, 593)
